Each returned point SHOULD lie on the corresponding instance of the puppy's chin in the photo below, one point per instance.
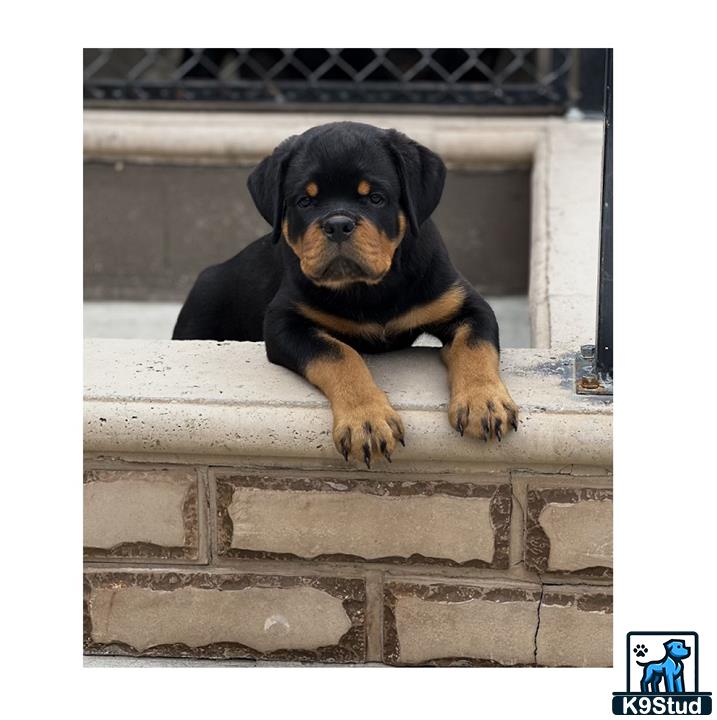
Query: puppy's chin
(342, 272)
(344, 284)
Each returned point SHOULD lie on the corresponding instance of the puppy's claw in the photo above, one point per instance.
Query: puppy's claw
(514, 424)
(397, 430)
(497, 429)
(462, 419)
(367, 455)
(345, 448)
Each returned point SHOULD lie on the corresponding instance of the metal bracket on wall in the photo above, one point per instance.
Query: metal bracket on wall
(588, 381)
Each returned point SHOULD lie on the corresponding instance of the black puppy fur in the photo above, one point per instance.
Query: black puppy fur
(384, 277)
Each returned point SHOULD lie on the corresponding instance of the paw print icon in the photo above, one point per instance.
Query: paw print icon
(640, 650)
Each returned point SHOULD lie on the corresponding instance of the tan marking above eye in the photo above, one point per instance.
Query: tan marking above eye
(364, 188)
(401, 226)
(312, 189)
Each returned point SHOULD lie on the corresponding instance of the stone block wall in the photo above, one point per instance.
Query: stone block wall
(502, 567)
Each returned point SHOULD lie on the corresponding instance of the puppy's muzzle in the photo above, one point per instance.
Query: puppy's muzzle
(338, 228)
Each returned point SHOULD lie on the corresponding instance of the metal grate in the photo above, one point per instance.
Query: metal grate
(502, 80)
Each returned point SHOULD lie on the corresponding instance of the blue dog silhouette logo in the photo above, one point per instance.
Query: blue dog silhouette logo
(662, 676)
(669, 670)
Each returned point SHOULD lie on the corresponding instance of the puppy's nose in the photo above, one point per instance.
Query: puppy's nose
(338, 227)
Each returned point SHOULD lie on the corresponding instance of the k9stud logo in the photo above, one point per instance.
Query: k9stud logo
(662, 677)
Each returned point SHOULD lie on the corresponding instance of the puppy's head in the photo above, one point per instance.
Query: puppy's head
(344, 196)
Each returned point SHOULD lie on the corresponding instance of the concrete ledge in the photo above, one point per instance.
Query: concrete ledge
(225, 400)
(245, 138)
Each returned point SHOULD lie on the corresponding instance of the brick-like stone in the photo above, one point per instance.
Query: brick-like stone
(575, 628)
(142, 514)
(397, 521)
(569, 530)
(454, 623)
(225, 615)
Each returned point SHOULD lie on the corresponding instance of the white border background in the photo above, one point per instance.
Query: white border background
(665, 157)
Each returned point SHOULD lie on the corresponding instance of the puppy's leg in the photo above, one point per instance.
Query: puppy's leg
(364, 421)
(365, 424)
(480, 404)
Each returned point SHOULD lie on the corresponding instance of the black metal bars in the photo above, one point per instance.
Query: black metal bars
(505, 80)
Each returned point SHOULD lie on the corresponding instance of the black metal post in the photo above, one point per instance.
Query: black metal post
(603, 349)
(593, 364)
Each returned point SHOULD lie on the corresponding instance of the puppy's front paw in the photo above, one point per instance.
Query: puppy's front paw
(483, 409)
(367, 429)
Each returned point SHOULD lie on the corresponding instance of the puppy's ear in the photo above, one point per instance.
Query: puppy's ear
(422, 175)
(266, 185)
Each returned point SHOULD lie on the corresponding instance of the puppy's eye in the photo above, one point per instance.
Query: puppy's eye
(304, 201)
(376, 198)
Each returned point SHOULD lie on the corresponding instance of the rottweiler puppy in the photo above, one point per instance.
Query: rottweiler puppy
(353, 265)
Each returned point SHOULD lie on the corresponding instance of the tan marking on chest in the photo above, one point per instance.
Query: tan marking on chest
(440, 310)
(342, 326)
(443, 308)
